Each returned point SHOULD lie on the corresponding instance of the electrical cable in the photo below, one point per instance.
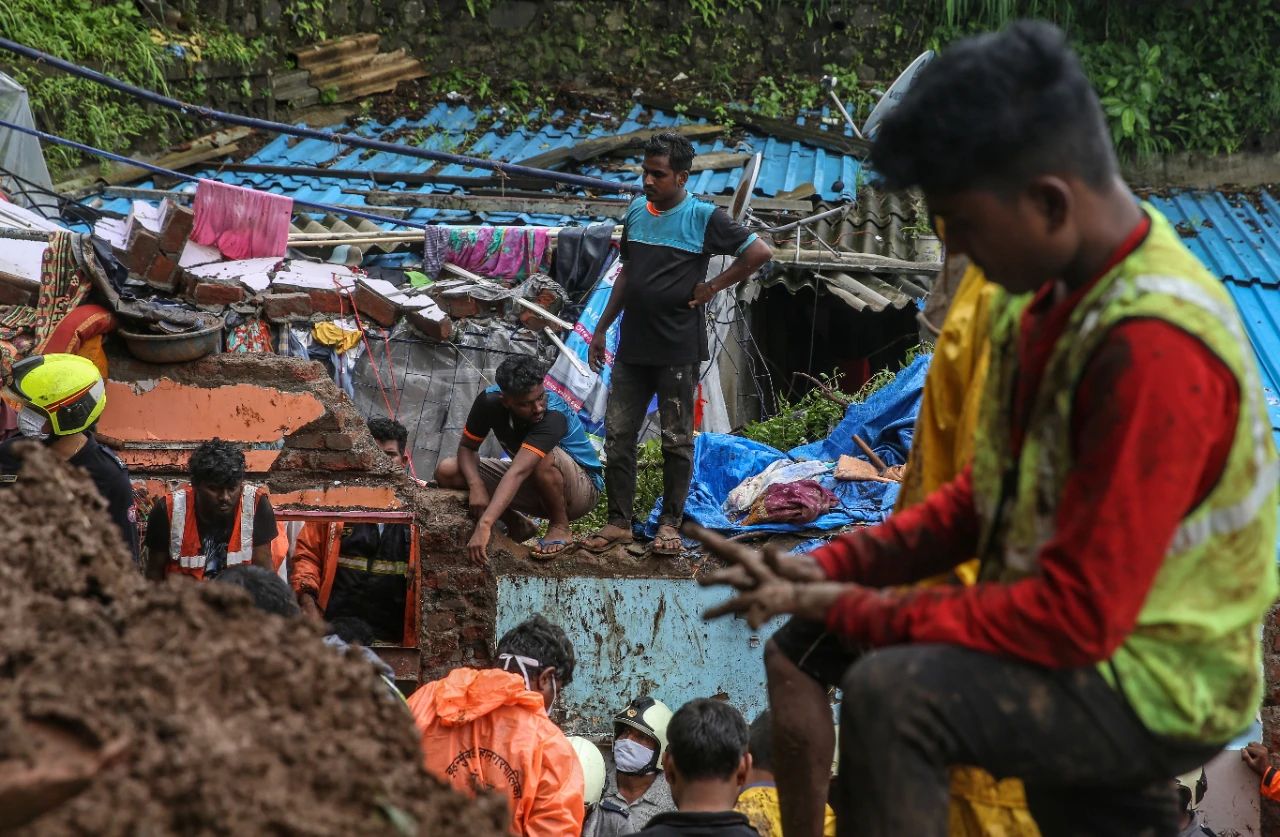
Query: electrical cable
(120, 158)
(353, 140)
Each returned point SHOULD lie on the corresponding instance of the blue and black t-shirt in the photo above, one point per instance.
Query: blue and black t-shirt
(666, 254)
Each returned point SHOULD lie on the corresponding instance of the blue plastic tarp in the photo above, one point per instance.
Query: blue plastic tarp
(885, 421)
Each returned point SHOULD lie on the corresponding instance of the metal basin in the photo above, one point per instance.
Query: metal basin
(174, 348)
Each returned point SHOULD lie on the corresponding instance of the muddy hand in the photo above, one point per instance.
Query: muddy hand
(762, 592)
(478, 546)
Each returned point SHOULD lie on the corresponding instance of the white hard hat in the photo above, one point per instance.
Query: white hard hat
(592, 768)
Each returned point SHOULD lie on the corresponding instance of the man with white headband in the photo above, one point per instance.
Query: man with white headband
(488, 729)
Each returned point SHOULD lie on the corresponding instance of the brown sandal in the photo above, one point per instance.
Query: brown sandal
(608, 542)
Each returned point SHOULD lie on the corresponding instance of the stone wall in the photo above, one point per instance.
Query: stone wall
(590, 42)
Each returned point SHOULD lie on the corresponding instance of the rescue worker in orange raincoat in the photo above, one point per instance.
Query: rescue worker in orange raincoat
(360, 570)
(488, 729)
(216, 522)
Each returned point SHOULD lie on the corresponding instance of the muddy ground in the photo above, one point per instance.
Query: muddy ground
(226, 720)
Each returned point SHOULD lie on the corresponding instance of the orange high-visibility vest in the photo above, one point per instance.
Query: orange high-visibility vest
(186, 553)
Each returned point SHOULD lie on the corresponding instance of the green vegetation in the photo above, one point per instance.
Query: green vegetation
(1202, 76)
(114, 37)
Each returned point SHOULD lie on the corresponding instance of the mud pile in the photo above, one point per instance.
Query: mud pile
(230, 721)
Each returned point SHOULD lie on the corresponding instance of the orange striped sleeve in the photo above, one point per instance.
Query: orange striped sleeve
(471, 437)
(532, 449)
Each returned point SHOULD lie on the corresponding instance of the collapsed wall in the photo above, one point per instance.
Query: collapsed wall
(229, 720)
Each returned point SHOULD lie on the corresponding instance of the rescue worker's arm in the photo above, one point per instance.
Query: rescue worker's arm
(526, 459)
(1256, 756)
(308, 568)
(557, 807)
(155, 552)
(1126, 495)
(264, 533)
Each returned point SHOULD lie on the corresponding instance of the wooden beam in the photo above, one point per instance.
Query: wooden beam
(869, 262)
(592, 148)
(198, 150)
(549, 204)
(715, 161)
(779, 128)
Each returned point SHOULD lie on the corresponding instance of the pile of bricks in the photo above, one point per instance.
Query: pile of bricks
(154, 256)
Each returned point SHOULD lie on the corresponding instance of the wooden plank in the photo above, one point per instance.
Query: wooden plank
(869, 262)
(198, 150)
(548, 204)
(592, 148)
(778, 128)
(715, 161)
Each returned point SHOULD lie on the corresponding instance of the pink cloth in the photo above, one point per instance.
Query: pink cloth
(803, 501)
(508, 254)
(241, 223)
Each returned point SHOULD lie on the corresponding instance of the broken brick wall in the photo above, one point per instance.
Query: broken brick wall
(305, 439)
(1271, 711)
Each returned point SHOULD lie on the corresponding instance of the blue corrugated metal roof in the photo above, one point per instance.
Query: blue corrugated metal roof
(785, 166)
(1238, 237)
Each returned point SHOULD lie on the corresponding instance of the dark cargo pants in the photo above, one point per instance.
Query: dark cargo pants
(632, 387)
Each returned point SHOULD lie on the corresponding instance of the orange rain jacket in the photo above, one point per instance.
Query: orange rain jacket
(482, 729)
(315, 565)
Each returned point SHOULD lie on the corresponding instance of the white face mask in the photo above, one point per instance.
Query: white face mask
(631, 756)
(31, 424)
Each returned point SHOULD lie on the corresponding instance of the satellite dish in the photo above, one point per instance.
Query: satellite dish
(894, 94)
(746, 186)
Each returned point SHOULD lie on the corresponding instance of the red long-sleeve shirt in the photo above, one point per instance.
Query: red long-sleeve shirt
(1154, 418)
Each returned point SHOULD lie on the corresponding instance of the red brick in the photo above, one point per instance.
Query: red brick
(440, 622)
(338, 441)
(432, 322)
(460, 306)
(305, 441)
(206, 292)
(372, 303)
(177, 223)
(323, 300)
(282, 308)
(141, 250)
(163, 273)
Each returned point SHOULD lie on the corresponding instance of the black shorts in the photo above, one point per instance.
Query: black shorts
(816, 651)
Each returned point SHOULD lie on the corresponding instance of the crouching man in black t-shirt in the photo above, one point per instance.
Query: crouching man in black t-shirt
(553, 472)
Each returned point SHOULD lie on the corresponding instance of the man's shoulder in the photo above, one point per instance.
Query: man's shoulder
(729, 823)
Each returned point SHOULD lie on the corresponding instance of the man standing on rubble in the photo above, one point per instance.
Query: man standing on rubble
(488, 729)
(553, 472)
(359, 570)
(62, 397)
(668, 239)
(216, 522)
(1121, 498)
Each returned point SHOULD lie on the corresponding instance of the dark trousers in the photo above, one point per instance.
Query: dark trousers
(1089, 765)
(632, 388)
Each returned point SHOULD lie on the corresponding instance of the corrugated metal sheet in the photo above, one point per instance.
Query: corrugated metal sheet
(1238, 237)
(879, 223)
(457, 128)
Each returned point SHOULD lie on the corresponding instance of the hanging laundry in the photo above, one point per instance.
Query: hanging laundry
(435, 249)
(241, 223)
(581, 256)
(508, 254)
